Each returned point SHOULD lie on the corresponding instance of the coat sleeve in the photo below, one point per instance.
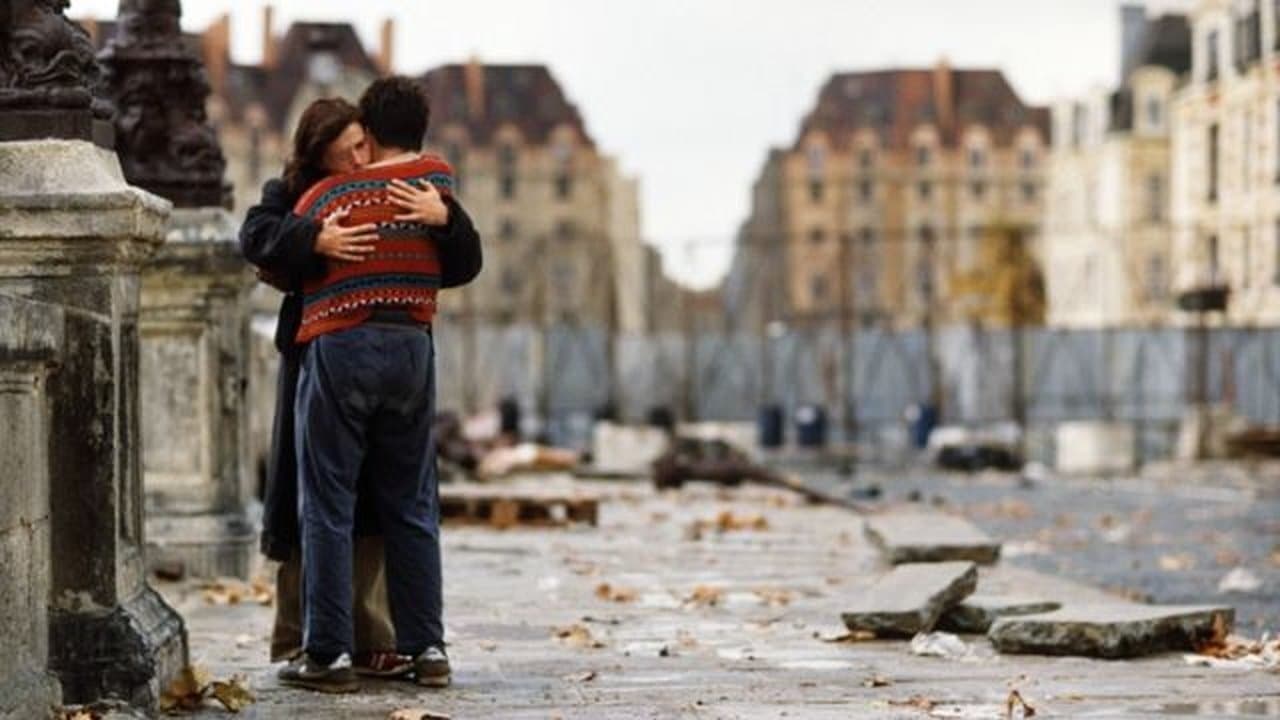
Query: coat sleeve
(459, 246)
(278, 242)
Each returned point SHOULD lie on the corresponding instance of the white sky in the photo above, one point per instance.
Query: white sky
(689, 94)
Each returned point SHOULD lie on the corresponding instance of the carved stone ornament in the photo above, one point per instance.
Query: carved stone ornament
(50, 84)
(158, 86)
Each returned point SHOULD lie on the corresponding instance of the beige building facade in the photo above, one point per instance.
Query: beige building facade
(1226, 159)
(885, 197)
(1108, 227)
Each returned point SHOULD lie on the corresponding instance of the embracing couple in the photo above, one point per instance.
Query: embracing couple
(360, 233)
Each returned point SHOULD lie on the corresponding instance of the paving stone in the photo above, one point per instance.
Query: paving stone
(911, 598)
(976, 613)
(1115, 630)
(925, 537)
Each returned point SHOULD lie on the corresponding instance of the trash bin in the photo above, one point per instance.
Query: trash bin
(811, 426)
(771, 427)
(662, 417)
(923, 419)
(509, 416)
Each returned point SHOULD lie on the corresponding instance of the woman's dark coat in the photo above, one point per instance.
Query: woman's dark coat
(283, 245)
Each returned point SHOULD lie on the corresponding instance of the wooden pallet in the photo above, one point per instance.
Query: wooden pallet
(504, 507)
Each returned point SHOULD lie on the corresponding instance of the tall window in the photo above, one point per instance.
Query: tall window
(1155, 113)
(1079, 119)
(817, 159)
(924, 265)
(977, 158)
(817, 236)
(866, 191)
(1028, 159)
(1211, 60)
(1028, 192)
(1215, 269)
(818, 289)
(507, 170)
(926, 190)
(978, 189)
(866, 159)
(1276, 137)
(923, 156)
(1155, 197)
(507, 230)
(1246, 257)
(1156, 280)
(868, 269)
(1213, 162)
(564, 169)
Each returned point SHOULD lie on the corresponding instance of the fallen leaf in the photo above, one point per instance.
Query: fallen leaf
(774, 597)
(876, 681)
(262, 591)
(577, 636)
(853, 636)
(416, 714)
(1177, 563)
(78, 715)
(1016, 700)
(187, 690)
(233, 695)
(704, 596)
(915, 701)
(613, 593)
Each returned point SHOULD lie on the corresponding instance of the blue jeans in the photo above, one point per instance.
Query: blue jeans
(367, 396)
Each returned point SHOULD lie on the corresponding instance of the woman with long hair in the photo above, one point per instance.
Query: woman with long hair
(287, 250)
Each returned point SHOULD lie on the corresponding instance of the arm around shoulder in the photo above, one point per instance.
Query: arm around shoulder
(275, 239)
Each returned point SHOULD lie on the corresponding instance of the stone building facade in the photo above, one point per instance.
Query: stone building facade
(887, 193)
(1108, 226)
(1226, 158)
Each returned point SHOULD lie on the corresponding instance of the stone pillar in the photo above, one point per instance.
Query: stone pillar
(31, 340)
(74, 235)
(195, 311)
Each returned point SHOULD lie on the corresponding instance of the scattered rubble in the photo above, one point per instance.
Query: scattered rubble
(1240, 580)
(1115, 630)
(976, 613)
(940, 644)
(929, 537)
(911, 598)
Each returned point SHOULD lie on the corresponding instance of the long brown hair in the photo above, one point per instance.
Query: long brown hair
(321, 123)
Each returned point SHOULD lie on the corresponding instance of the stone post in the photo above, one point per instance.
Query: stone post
(195, 302)
(31, 341)
(73, 236)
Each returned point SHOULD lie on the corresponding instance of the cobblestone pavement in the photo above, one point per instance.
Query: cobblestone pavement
(1169, 536)
(703, 623)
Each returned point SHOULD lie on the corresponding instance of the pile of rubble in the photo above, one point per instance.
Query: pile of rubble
(935, 584)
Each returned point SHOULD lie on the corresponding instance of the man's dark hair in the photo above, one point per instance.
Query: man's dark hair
(395, 112)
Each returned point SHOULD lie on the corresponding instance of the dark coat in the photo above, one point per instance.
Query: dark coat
(283, 245)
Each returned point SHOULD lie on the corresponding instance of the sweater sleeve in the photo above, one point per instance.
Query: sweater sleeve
(277, 241)
(459, 246)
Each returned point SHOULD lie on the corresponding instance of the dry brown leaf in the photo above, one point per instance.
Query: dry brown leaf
(1014, 701)
(774, 597)
(1177, 563)
(262, 591)
(577, 636)
(853, 636)
(876, 681)
(78, 715)
(233, 694)
(416, 714)
(187, 690)
(613, 593)
(704, 596)
(919, 702)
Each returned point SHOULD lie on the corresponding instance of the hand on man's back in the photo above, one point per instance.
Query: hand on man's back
(422, 205)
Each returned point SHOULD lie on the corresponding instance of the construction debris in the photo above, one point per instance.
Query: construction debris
(911, 598)
(1114, 630)
(976, 613)
(912, 537)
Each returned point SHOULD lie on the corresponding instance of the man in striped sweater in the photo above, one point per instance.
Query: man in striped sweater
(366, 396)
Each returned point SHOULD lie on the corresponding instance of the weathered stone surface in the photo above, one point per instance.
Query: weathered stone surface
(31, 340)
(73, 235)
(911, 598)
(194, 326)
(976, 613)
(1114, 630)
(911, 537)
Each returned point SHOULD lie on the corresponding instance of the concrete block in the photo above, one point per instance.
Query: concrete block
(1114, 630)
(911, 598)
(626, 448)
(1089, 447)
(976, 613)
(929, 537)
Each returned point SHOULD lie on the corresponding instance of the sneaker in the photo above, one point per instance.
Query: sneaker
(431, 668)
(336, 677)
(383, 664)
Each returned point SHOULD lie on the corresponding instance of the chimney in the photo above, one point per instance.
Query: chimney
(1133, 33)
(269, 44)
(944, 99)
(386, 50)
(473, 80)
(216, 44)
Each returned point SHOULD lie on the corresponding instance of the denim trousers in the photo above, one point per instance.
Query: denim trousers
(366, 396)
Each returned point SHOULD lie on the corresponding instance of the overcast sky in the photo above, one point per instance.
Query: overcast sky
(689, 94)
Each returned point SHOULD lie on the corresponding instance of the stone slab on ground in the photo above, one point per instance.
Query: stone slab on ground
(976, 613)
(1115, 630)
(911, 598)
(915, 537)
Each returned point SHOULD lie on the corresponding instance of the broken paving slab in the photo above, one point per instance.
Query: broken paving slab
(914, 537)
(976, 613)
(1113, 630)
(911, 598)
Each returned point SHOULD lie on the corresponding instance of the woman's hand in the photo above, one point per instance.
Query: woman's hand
(352, 244)
(420, 205)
